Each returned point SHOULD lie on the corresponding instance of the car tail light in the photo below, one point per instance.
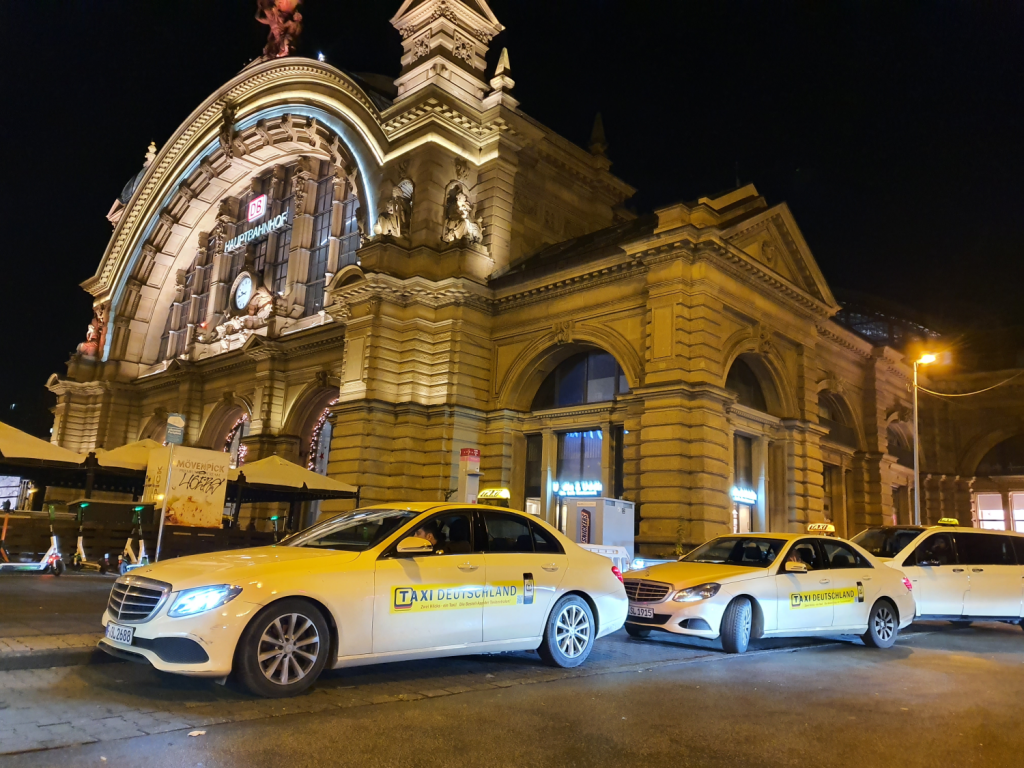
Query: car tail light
(907, 584)
(617, 572)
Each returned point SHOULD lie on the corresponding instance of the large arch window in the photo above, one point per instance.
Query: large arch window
(320, 246)
(588, 377)
(1006, 458)
(743, 382)
(830, 415)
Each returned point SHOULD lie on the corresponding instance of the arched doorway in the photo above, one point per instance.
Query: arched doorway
(755, 503)
(838, 447)
(574, 431)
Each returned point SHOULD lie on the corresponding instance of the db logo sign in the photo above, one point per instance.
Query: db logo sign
(257, 207)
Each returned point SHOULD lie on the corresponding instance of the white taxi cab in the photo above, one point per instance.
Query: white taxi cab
(386, 583)
(747, 586)
(964, 574)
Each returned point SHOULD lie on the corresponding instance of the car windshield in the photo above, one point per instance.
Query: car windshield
(749, 551)
(885, 542)
(353, 531)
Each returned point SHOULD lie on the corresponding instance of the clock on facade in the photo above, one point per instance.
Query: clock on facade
(243, 292)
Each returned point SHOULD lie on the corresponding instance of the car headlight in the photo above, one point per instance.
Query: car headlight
(695, 594)
(193, 601)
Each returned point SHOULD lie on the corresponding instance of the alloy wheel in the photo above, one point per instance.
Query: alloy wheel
(884, 624)
(572, 631)
(288, 649)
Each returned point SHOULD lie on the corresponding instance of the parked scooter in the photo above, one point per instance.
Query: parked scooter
(50, 563)
(128, 560)
(79, 561)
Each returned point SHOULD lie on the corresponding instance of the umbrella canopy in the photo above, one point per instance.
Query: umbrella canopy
(275, 471)
(19, 447)
(132, 456)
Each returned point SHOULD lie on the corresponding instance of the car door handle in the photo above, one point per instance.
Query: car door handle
(468, 567)
(550, 567)
(958, 570)
(824, 581)
(977, 570)
(865, 578)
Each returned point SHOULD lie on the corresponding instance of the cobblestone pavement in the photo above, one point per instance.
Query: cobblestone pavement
(64, 706)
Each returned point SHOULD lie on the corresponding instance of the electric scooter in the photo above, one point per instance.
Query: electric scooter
(50, 563)
(79, 561)
(127, 560)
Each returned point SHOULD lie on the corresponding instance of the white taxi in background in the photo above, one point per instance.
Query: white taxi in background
(386, 583)
(754, 585)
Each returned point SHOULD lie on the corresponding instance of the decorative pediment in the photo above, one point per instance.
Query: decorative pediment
(773, 239)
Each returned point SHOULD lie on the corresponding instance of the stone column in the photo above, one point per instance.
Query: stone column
(760, 462)
(549, 465)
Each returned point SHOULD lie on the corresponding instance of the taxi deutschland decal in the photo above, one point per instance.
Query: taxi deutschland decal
(442, 597)
(824, 597)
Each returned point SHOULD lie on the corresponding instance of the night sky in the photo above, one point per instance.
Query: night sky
(893, 130)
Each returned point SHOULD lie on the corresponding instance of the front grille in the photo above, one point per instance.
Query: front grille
(135, 599)
(640, 591)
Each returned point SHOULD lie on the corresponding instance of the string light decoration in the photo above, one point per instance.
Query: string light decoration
(236, 428)
(314, 440)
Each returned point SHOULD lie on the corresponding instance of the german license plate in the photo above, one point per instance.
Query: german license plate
(644, 613)
(120, 634)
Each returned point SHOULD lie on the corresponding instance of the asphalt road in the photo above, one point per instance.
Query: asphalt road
(944, 696)
(41, 604)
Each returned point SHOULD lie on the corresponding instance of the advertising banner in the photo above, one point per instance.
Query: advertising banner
(197, 485)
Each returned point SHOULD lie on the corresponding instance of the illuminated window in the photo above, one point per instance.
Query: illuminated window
(1017, 503)
(321, 242)
(990, 512)
(579, 456)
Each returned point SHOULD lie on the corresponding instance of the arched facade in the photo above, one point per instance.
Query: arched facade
(425, 257)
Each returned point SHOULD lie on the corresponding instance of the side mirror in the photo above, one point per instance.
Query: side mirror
(791, 567)
(413, 545)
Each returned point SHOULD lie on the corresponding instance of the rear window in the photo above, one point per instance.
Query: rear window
(737, 550)
(885, 542)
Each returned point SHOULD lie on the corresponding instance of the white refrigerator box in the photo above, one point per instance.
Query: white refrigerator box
(608, 522)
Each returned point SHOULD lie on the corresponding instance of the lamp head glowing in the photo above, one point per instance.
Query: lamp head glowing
(925, 359)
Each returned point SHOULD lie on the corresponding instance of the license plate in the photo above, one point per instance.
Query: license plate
(120, 634)
(644, 613)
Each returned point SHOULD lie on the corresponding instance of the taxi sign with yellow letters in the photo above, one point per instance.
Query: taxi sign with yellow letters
(453, 597)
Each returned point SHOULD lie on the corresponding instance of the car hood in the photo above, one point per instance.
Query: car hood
(239, 566)
(684, 575)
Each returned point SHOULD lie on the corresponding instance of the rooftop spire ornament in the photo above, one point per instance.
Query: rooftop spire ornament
(285, 22)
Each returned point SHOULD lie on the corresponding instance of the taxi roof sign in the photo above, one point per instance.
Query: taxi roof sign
(952, 521)
(825, 529)
(494, 493)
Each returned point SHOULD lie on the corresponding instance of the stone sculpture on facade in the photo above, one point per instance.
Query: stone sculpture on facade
(285, 22)
(93, 344)
(394, 219)
(459, 223)
(256, 316)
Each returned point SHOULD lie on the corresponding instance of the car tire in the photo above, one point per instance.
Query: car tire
(568, 634)
(633, 630)
(736, 624)
(961, 624)
(883, 626)
(295, 628)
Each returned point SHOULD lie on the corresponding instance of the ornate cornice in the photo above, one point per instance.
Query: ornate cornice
(206, 120)
(432, 109)
(831, 335)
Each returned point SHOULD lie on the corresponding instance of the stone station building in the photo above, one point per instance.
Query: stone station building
(366, 276)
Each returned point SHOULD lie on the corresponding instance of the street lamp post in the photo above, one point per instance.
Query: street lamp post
(924, 360)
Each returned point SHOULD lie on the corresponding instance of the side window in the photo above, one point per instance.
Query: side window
(450, 534)
(985, 549)
(841, 555)
(505, 533)
(544, 541)
(935, 550)
(1018, 545)
(805, 551)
